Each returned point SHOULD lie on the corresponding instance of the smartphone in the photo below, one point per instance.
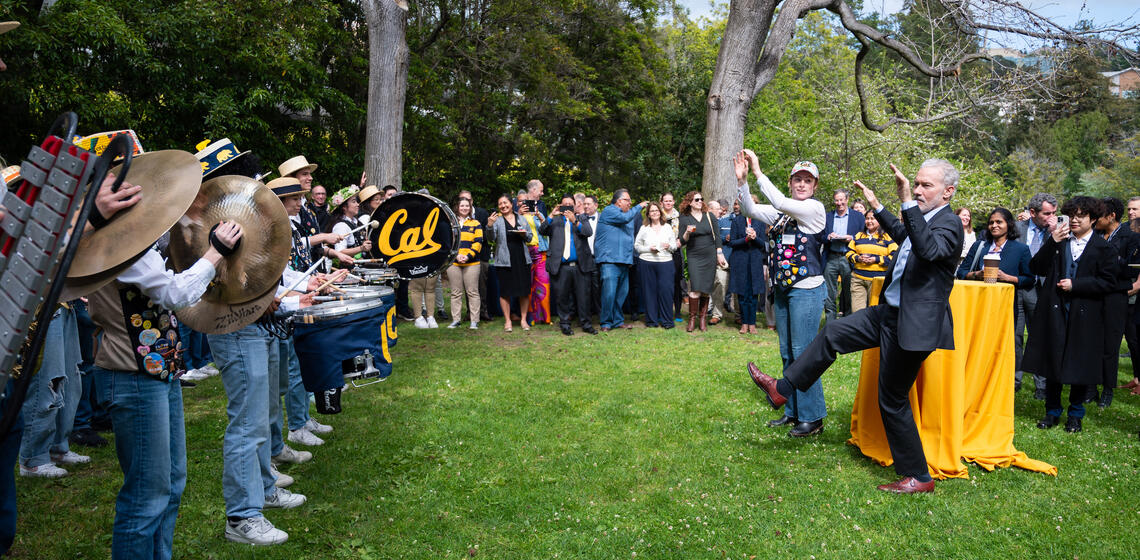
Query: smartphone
(1062, 220)
(565, 209)
(528, 205)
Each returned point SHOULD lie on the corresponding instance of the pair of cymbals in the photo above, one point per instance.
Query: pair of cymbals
(246, 282)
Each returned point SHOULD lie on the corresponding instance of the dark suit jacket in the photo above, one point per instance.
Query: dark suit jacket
(748, 257)
(925, 322)
(555, 230)
(1067, 345)
(855, 224)
(1014, 261)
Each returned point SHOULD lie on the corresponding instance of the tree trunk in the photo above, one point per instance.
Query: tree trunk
(730, 95)
(387, 90)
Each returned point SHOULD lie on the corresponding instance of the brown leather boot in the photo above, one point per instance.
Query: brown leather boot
(704, 311)
(694, 308)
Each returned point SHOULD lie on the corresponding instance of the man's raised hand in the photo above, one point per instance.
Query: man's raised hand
(869, 195)
(902, 185)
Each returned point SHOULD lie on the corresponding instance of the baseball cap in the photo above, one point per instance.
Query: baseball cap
(805, 166)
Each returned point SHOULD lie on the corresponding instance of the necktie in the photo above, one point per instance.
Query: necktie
(569, 240)
(1035, 244)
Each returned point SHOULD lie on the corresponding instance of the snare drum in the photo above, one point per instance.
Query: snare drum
(353, 291)
(376, 276)
(345, 341)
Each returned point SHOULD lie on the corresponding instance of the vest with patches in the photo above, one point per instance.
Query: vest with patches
(796, 260)
(138, 336)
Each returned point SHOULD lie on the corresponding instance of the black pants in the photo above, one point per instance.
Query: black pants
(572, 286)
(1131, 339)
(1076, 399)
(678, 279)
(869, 328)
(1115, 316)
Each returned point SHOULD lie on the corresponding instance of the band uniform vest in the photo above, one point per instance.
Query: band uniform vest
(138, 335)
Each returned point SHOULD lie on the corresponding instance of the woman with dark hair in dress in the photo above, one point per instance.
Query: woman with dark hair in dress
(701, 238)
(512, 259)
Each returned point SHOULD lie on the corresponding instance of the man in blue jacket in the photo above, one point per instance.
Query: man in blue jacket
(613, 251)
(842, 225)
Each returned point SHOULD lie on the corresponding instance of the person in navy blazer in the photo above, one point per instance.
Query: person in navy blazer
(835, 253)
(570, 276)
(1002, 233)
(911, 320)
(746, 266)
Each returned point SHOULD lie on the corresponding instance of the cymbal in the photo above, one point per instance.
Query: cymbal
(266, 239)
(169, 181)
(83, 286)
(222, 318)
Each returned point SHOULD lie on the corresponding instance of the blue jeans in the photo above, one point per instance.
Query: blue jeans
(88, 410)
(297, 398)
(797, 322)
(9, 453)
(288, 368)
(245, 359)
(615, 286)
(196, 349)
(150, 441)
(53, 394)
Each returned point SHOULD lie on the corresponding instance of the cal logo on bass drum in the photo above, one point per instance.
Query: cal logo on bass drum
(418, 235)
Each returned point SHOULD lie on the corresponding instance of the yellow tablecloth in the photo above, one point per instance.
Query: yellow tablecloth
(963, 398)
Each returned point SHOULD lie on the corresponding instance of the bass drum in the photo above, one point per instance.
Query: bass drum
(418, 235)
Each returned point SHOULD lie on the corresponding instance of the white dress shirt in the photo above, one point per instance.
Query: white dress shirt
(165, 288)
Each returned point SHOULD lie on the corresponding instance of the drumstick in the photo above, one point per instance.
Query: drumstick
(369, 261)
(331, 279)
(371, 224)
(305, 278)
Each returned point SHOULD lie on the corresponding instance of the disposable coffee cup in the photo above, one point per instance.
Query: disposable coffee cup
(990, 266)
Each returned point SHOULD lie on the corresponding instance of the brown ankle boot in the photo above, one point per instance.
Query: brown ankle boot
(694, 308)
(704, 311)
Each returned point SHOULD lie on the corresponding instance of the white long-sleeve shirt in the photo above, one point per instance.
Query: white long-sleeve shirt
(809, 214)
(660, 237)
(165, 288)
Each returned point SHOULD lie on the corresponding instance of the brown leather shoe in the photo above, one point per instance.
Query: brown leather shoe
(908, 485)
(768, 384)
(714, 321)
(1131, 384)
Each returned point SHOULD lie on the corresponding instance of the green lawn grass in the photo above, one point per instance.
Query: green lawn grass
(632, 444)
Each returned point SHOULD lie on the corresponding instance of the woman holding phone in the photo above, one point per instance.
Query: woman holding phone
(512, 259)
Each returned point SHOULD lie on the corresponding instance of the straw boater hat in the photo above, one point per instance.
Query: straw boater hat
(293, 165)
(10, 175)
(6, 26)
(98, 142)
(285, 186)
(215, 156)
(368, 192)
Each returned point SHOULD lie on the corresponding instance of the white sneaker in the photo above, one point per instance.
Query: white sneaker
(194, 375)
(305, 437)
(431, 323)
(474, 325)
(46, 470)
(256, 531)
(421, 323)
(210, 369)
(282, 480)
(453, 325)
(284, 499)
(69, 458)
(289, 455)
(316, 427)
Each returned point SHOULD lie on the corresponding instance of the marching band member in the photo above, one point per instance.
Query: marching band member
(137, 368)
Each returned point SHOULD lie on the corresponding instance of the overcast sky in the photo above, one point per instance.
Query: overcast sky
(1064, 11)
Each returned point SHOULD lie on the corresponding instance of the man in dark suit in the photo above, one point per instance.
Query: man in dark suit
(842, 225)
(1042, 209)
(911, 320)
(570, 263)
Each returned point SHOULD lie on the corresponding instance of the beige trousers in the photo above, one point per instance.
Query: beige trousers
(422, 293)
(464, 279)
(860, 293)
